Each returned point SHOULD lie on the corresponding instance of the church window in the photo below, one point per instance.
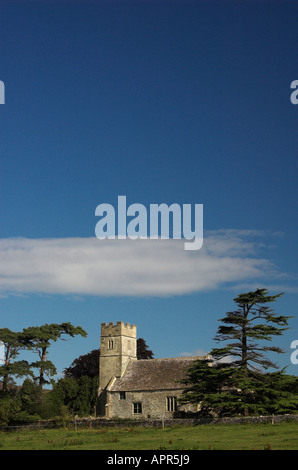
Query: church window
(137, 408)
(122, 395)
(111, 344)
(171, 403)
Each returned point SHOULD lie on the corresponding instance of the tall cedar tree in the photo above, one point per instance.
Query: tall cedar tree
(13, 343)
(252, 322)
(39, 338)
(236, 382)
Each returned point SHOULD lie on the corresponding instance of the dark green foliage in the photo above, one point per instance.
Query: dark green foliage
(208, 386)
(31, 397)
(280, 393)
(142, 350)
(86, 365)
(13, 343)
(21, 405)
(10, 405)
(78, 395)
(237, 382)
(246, 327)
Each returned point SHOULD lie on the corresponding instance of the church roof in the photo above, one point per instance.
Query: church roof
(153, 374)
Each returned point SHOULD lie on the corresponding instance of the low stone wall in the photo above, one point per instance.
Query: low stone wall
(101, 422)
(96, 422)
(82, 423)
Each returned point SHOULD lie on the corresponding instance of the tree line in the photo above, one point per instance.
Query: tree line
(73, 394)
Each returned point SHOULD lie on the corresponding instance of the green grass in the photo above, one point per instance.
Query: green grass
(283, 436)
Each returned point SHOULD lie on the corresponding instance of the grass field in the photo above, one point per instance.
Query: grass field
(283, 436)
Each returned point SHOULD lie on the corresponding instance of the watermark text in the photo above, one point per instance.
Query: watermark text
(294, 94)
(163, 222)
(294, 355)
(2, 92)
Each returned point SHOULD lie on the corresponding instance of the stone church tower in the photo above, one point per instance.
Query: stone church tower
(118, 346)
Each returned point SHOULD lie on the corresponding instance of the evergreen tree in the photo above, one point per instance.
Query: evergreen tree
(143, 351)
(245, 327)
(85, 365)
(10, 405)
(31, 397)
(78, 396)
(13, 343)
(84, 404)
(39, 339)
(209, 387)
(63, 394)
(237, 383)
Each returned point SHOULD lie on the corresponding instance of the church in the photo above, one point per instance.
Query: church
(137, 389)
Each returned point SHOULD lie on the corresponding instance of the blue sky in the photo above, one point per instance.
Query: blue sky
(182, 102)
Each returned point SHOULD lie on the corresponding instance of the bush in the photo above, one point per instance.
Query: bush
(24, 418)
(78, 395)
(9, 406)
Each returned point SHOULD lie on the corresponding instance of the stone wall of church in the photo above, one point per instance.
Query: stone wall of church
(157, 404)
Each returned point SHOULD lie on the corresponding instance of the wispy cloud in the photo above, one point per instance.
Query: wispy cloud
(88, 266)
(195, 353)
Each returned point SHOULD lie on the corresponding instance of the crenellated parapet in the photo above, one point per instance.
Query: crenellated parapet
(119, 328)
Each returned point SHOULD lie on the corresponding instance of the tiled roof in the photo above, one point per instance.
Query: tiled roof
(154, 374)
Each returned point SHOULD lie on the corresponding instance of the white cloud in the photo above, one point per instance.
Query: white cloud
(195, 353)
(88, 266)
